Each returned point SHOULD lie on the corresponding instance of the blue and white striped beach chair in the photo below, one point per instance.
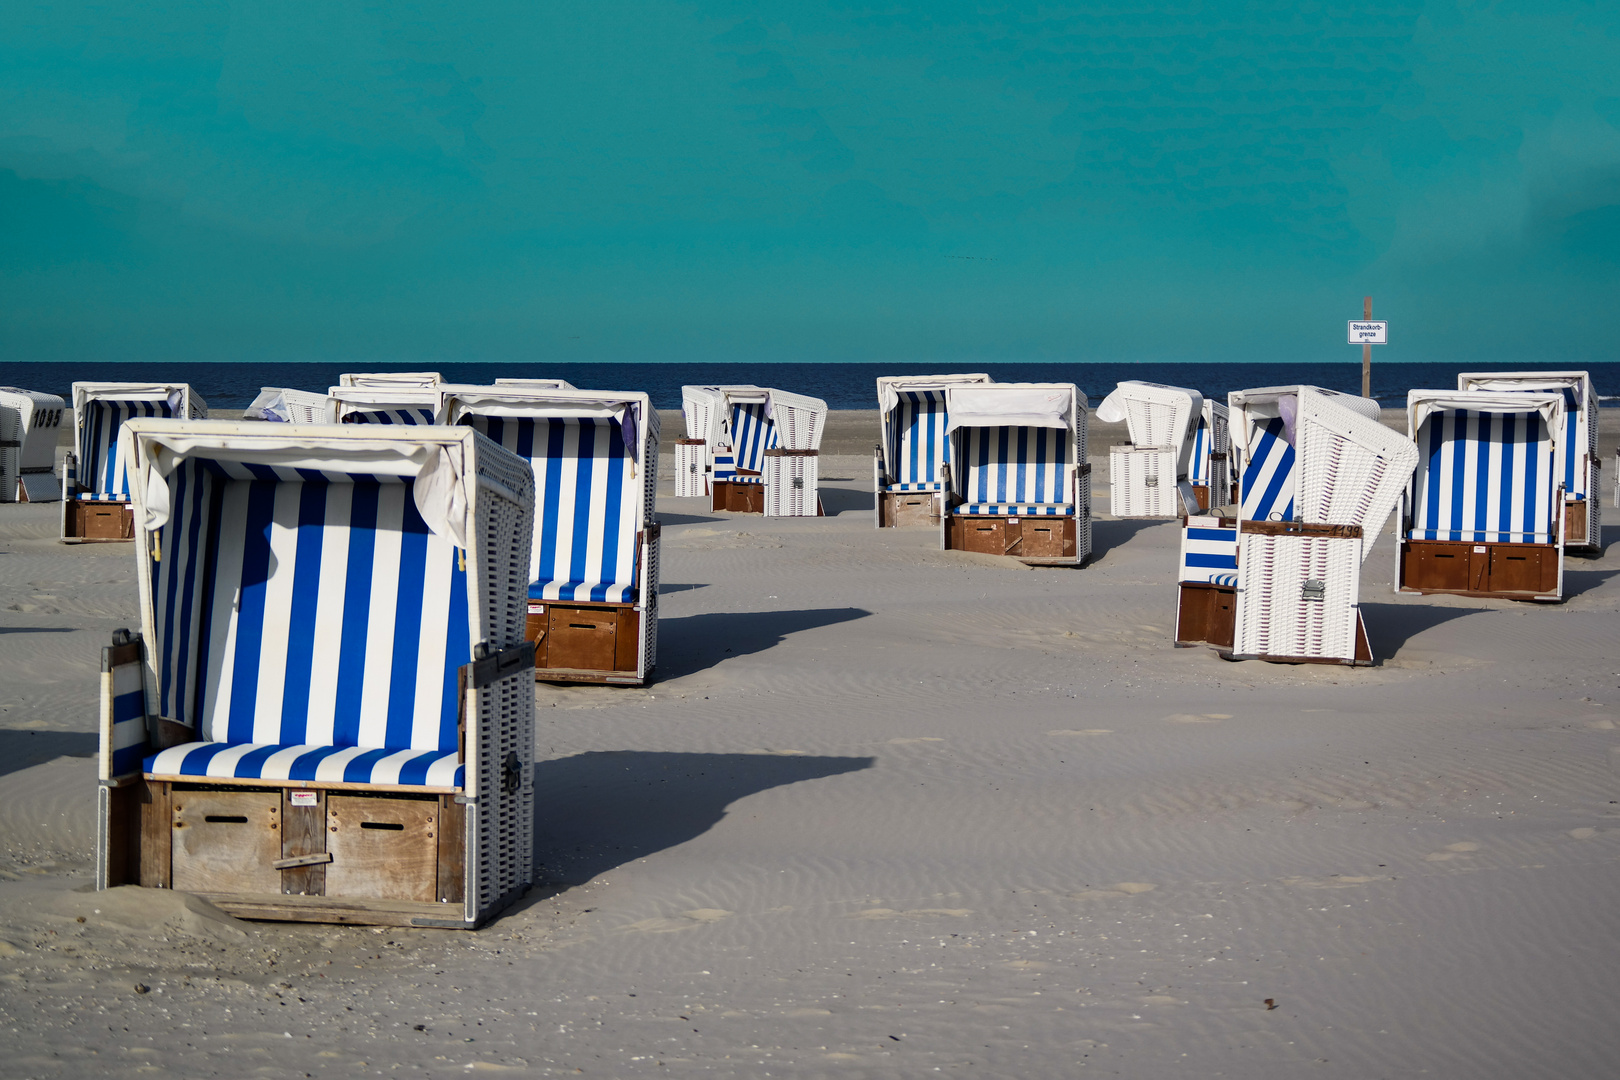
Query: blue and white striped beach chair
(328, 713)
(388, 380)
(393, 406)
(758, 446)
(1484, 513)
(914, 448)
(95, 492)
(1209, 469)
(1020, 484)
(593, 572)
(285, 405)
(1577, 461)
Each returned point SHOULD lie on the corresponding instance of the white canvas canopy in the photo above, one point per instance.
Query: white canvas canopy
(1011, 405)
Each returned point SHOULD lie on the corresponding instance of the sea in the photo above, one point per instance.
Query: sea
(225, 385)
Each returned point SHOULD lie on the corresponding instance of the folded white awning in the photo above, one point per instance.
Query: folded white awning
(1421, 404)
(1001, 405)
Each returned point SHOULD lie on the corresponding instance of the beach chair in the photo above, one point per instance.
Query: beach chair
(1484, 513)
(593, 572)
(1019, 484)
(759, 448)
(29, 424)
(536, 384)
(281, 404)
(95, 475)
(328, 713)
(1209, 470)
(907, 484)
(400, 406)
(1577, 462)
(1145, 475)
(383, 380)
(1320, 477)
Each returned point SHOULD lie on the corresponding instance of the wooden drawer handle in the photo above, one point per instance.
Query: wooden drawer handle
(301, 860)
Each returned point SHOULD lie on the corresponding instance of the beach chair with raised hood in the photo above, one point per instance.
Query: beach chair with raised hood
(29, 423)
(95, 476)
(907, 483)
(1319, 478)
(1019, 483)
(284, 405)
(1577, 462)
(1484, 513)
(759, 447)
(400, 406)
(593, 571)
(383, 380)
(328, 712)
(1209, 471)
(1146, 475)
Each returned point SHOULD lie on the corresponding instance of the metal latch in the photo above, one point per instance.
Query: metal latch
(798, 483)
(511, 772)
(1152, 481)
(1314, 590)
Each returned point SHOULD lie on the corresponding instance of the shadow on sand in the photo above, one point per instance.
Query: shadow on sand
(24, 749)
(1391, 626)
(1108, 535)
(695, 642)
(599, 810)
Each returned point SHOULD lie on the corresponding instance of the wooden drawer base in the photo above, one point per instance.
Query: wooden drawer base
(908, 509)
(1512, 571)
(738, 498)
(1032, 538)
(100, 521)
(1205, 614)
(577, 642)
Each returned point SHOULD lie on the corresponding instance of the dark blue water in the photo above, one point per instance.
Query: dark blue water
(844, 386)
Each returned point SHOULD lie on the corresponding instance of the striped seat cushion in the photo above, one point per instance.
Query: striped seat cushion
(309, 762)
(1267, 486)
(101, 470)
(1013, 466)
(92, 496)
(1015, 509)
(752, 433)
(740, 478)
(1484, 477)
(586, 515)
(412, 417)
(918, 442)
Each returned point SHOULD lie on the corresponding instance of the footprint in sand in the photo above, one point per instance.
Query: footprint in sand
(1082, 731)
(1332, 881)
(1114, 891)
(688, 920)
(1583, 833)
(1197, 718)
(873, 914)
(1452, 851)
(907, 741)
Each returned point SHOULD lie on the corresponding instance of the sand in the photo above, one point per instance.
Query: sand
(889, 811)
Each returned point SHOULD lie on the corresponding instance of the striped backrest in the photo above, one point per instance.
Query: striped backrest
(917, 437)
(1266, 489)
(1013, 464)
(1484, 477)
(1571, 448)
(101, 469)
(586, 515)
(1203, 438)
(1209, 551)
(752, 433)
(410, 416)
(306, 608)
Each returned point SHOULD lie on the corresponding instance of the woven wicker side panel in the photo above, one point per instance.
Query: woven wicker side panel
(1351, 470)
(1276, 617)
(790, 486)
(689, 476)
(649, 569)
(1082, 516)
(1142, 482)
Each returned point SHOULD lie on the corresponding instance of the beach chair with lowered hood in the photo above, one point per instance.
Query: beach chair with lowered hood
(328, 712)
(913, 443)
(1319, 478)
(95, 475)
(758, 447)
(29, 424)
(1150, 476)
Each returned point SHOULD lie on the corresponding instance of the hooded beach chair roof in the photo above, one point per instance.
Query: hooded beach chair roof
(912, 416)
(1262, 431)
(99, 412)
(390, 378)
(534, 384)
(751, 420)
(1486, 465)
(1156, 415)
(1580, 435)
(310, 593)
(1016, 444)
(587, 450)
(282, 404)
(404, 406)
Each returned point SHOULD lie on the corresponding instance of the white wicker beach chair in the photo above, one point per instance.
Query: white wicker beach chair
(282, 404)
(534, 384)
(328, 714)
(95, 476)
(1281, 581)
(1577, 462)
(29, 423)
(1020, 485)
(386, 379)
(1145, 475)
(1484, 513)
(593, 572)
(399, 406)
(907, 483)
(758, 447)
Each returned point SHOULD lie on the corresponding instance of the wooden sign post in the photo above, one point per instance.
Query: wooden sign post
(1366, 353)
(1367, 333)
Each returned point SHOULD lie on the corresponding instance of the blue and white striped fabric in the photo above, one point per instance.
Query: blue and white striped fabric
(310, 763)
(1203, 439)
(411, 417)
(1484, 478)
(1014, 466)
(725, 467)
(127, 739)
(1015, 509)
(586, 505)
(752, 433)
(1267, 487)
(1209, 554)
(1571, 448)
(100, 468)
(304, 609)
(918, 440)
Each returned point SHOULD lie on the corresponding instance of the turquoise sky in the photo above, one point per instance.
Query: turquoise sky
(661, 180)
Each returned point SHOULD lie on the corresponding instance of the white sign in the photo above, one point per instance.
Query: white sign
(1369, 333)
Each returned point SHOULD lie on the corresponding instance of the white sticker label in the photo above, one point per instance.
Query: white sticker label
(303, 798)
(1479, 550)
(536, 609)
(1012, 521)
